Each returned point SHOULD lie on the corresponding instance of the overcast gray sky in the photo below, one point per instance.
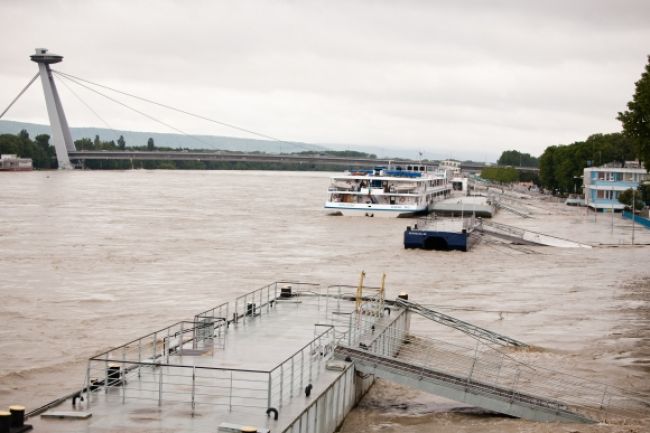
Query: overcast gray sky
(464, 79)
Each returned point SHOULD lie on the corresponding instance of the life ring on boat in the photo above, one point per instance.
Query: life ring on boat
(401, 199)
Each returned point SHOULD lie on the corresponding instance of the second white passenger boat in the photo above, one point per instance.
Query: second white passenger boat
(387, 192)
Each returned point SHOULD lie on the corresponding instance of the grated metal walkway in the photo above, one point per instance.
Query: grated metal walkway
(464, 389)
(486, 375)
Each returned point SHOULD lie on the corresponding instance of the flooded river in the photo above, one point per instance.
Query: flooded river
(89, 260)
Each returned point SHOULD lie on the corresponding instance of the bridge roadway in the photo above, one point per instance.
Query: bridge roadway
(232, 157)
(252, 157)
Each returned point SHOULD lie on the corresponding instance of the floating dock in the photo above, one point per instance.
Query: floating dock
(478, 206)
(297, 357)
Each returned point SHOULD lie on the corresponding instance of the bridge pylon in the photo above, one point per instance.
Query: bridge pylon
(61, 137)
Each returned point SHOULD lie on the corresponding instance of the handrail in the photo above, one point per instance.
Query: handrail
(225, 304)
(197, 367)
(461, 325)
(151, 334)
(329, 329)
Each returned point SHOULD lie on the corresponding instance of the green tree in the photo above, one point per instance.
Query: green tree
(9, 144)
(97, 143)
(626, 198)
(150, 144)
(547, 168)
(529, 176)
(84, 144)
(515, 158)
(636, 120)
(560, 165)
(500, 174)
(121, 143)
(644, 189)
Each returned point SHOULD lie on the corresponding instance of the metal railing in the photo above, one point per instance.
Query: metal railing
(296, 372)
(500, 374)
(220, 311)
(461, 325)
(175, 383)
(151, 368)
(254, 303)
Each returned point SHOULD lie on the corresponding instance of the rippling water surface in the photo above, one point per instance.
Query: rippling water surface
(90, 259)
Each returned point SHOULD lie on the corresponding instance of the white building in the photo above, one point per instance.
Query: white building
(603, 185)
(451, 166)
(10, 162)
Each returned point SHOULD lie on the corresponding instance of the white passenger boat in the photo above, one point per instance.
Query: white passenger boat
(391, 192)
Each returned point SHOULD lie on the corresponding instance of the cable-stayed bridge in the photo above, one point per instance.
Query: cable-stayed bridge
(67, 153)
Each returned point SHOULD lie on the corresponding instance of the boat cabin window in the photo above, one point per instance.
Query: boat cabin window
(376, 183)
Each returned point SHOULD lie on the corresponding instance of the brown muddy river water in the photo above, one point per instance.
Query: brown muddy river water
(89, 260)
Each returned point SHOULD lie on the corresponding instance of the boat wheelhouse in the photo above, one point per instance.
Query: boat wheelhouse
(391, 192)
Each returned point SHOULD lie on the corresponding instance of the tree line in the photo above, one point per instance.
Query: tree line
(43, 155)
(39, 149)
(514, 158)
(561, 166)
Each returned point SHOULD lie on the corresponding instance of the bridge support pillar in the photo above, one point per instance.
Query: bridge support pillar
(61, 137)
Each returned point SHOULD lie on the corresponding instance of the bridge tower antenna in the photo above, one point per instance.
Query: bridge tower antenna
(60, 131)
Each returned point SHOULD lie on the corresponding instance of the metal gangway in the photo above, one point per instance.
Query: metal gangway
(499, 204)
(483, 376)
(465, 327)
(525, 236)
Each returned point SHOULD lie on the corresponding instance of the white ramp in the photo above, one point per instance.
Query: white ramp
(528, 237)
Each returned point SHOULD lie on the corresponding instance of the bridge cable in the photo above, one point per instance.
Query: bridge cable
(134, 109)
(20, 94)
(88, 107)
(198, 116)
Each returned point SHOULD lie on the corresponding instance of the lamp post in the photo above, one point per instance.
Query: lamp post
(611, 197)
(633, 212)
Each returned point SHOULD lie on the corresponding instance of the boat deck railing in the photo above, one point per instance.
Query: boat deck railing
(154, 368)
(436, 223)
(292, 376)
(172, 364)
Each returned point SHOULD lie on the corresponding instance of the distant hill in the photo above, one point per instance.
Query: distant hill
(215, 142)
(134, 138)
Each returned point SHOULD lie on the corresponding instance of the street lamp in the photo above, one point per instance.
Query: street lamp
(611, 198)
(633, 212)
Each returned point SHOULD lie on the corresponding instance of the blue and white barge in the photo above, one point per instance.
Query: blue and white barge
(442, 234)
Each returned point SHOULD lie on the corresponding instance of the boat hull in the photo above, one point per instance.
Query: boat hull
(438, 240)
(369, 210)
